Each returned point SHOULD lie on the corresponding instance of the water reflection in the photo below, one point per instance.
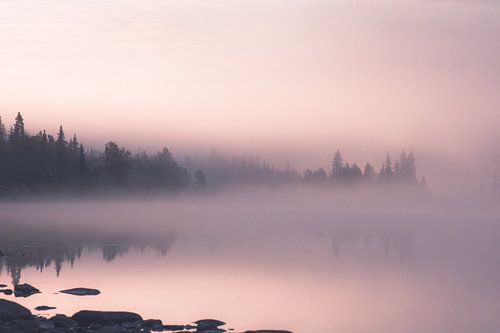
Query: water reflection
(259, 266)
(29, 245)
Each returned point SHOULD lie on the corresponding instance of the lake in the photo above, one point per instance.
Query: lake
(305, 262)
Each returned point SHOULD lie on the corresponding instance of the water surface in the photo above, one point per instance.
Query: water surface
(282, 262)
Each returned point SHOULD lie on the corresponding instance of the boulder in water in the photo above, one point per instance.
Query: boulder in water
(6, 291)
(44, 308)
(25, 290)
(86, 317)
(208, 324)
(81, 292)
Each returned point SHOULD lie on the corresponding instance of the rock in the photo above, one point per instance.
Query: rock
(44, 308)
(208, 324)
(86, 317)
(116, 329)
(61, 321)
(152, 324)
(7, 291)
(44, 323)
(13, 311)
(81, 292)
(174, 327)
(26, 325)
(25, 290)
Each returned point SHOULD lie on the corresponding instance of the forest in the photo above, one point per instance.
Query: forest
(42, 162)
(402, 172)
(46, 163)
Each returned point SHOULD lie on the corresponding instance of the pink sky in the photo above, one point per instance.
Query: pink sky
(287, 80)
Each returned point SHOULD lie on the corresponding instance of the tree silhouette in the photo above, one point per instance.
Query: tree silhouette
(354, 173)
(116, 162)
(338, 167)
(317, 176)
(386, 173)
(17, 131)
(369, 173)
(3, 133)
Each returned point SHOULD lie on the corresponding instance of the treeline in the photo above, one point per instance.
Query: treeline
(223, 170)
(402, 171)
(43, 162)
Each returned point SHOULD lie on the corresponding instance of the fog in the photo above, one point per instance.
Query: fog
(378, 246)
(202, 180)
(287, 81)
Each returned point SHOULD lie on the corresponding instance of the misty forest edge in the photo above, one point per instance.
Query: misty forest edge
(44, 163)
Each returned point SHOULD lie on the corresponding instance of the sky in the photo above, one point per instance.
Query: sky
(288, 80)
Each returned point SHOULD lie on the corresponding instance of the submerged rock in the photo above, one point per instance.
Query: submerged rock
(209, 325)
(12, 311)
(7, 291)
(86, 317)
(25, 290)
(44, 308)
(81, 292)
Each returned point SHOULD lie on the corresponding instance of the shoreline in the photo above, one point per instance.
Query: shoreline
(15, 318)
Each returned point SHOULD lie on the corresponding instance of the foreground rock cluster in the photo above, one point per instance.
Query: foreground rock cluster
(15, 318)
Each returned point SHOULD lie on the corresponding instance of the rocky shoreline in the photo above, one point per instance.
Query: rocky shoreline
(15, 318)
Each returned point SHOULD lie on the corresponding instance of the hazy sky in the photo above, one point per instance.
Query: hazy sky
(298, 77)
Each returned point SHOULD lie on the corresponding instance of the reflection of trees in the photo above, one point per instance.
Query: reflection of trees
(397, 239)
(32, 246)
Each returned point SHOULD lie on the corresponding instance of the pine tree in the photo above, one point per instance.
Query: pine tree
(3, 133)
(369, 172)
(355, 173)
(17, 132)
(397, 170)
(82, 163)
(386, 173)
(338, 167)
(411, 169)
(61, 138)
(74, 147)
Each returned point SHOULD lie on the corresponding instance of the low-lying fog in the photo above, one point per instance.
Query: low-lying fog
(289, 258)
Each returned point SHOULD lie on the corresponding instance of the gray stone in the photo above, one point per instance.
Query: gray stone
(25, 290)
(44, 308)
(7, 292)
(86, 317)
(13, 310)
(81, 292)
(208, 325)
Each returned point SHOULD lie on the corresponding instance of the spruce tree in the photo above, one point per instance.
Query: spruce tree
(338, 167)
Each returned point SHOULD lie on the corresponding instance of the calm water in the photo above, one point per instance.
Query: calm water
(281, 263)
